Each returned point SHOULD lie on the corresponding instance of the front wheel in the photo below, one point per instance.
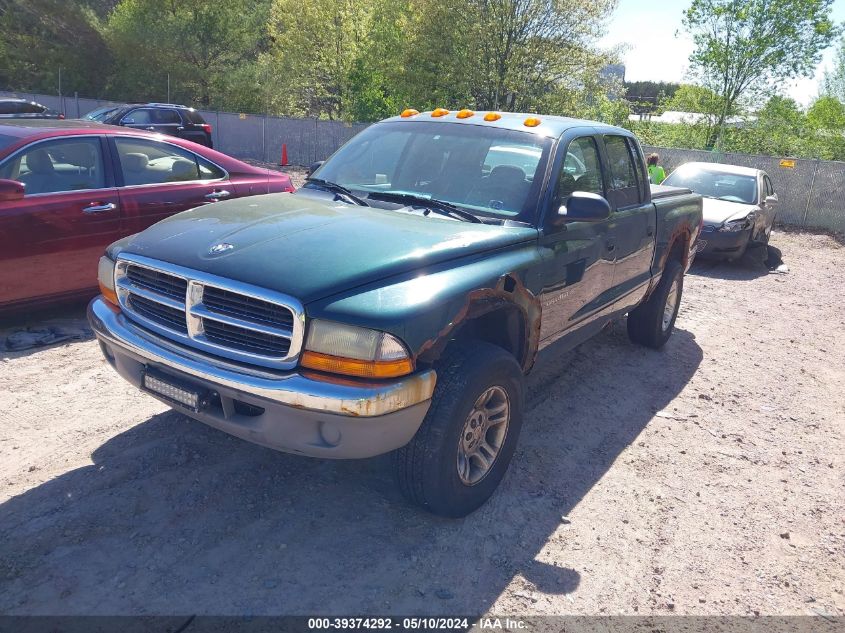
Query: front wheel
(652, 322)
(462, 450)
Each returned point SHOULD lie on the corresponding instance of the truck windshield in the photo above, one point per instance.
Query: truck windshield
(715, 184)
(491, 172)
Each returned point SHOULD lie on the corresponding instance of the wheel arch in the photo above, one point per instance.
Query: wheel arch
(507, 315)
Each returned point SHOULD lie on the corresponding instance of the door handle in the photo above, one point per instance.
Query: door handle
(97, 207)
(216, 195)
(180, 129)
(151, 129)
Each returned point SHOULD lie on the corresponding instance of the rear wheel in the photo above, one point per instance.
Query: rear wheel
(462, 450)
(652, 322)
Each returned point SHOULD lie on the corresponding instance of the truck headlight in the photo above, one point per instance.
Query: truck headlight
(105, 277)
(354, 351)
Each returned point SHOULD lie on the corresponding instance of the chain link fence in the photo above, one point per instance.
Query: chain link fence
(811, 192)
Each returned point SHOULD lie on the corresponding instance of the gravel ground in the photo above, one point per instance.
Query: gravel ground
(703, 479)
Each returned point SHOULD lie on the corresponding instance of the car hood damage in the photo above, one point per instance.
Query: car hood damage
(311, 249)
(717, 212)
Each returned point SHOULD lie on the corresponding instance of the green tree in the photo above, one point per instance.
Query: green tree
(314, 53)
(41, 38)
(526, 55)
(742, 47)
(833, 83)
(203, 45)
(826, 119)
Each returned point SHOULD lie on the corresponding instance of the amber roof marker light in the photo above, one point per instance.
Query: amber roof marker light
(531, 121)
(465, 114)
(438, 112)
(492, 116)
(409, 113)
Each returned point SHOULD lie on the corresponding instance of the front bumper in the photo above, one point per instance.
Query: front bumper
(723, 243)
(292, 412)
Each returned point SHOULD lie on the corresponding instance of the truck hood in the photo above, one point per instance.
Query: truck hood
(717, 212)
(309, 248)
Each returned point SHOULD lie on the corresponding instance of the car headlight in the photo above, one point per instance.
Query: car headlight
(354, 351)
(741, 224)
(105, 277)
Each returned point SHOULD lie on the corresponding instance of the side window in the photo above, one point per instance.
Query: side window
(770, 190)
(624, 184)
(31, 108)
(144, 162)
(61, 165)
(581, 169)
(138, 117)
(166, 117)
(639, 168)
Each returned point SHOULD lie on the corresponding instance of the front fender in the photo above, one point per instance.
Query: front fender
(427, 308)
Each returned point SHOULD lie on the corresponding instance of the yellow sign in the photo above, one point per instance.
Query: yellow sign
(787, 163)
(242, 115)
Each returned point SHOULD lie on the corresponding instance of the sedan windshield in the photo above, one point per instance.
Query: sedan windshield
(490, 172)
(100, 114)
(715, 184)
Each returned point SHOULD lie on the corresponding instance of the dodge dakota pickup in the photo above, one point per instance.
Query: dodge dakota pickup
(397, 300)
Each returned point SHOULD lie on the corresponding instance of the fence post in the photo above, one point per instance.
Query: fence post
(264, 156)
(76, 97)
(219, 143)
(810, 193)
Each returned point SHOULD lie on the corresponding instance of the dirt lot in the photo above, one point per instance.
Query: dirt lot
(704, 479)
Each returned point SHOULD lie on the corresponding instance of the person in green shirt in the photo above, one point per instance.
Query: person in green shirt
(656, 174)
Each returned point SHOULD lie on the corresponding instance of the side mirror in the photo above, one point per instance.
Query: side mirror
(772, 199)
(584, 207)
(315, 166)
(11, 190)
(128, 121)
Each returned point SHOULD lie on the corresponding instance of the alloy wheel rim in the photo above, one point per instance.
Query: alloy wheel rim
(671, 304)
(483, 435)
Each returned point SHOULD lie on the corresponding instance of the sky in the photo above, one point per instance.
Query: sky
(648, 28)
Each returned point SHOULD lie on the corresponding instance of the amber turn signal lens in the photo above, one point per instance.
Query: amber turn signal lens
(464, 114)
(531, 121)
(409, 113)
(492, 116)
(354, 367)
(438, 112)
(109, 294)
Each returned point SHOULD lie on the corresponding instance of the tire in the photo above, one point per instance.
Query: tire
(427, 468)
(650, 323)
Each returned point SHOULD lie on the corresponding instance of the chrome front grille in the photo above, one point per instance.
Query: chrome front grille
(224, 317)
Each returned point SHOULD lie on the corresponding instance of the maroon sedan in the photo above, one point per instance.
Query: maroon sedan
(70, 188)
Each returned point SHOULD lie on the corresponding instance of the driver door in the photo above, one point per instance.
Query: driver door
(578, 257)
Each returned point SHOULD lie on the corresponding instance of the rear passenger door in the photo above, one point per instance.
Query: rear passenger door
(633, 220)
(158, 179)
(52, 239)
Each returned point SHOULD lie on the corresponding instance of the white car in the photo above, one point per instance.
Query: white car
(740, 205)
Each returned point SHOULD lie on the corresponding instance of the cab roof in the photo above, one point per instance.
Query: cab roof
(549, 126)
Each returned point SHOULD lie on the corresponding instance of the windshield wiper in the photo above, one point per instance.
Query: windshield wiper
(339, 190)
(441, 206)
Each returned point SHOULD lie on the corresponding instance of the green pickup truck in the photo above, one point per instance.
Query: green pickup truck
(397, 300)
